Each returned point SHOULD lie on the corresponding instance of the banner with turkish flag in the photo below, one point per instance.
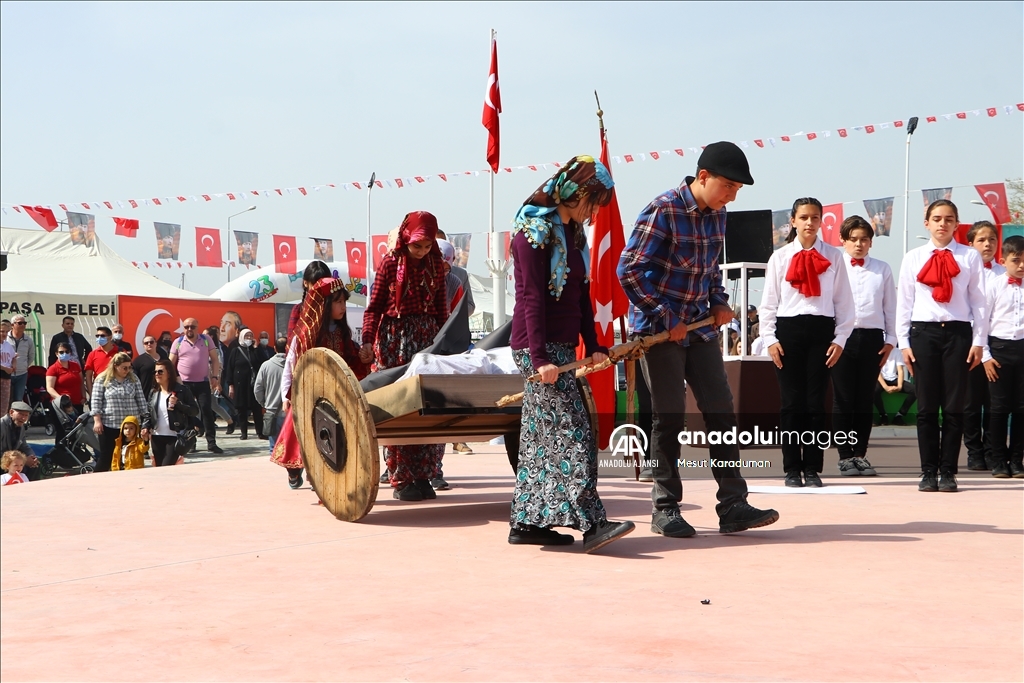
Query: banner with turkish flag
(126, 227)
(208, 250)
(831, 221)
(994, 196)
(608, 299)
(355, 252)
(492, 107)
(43, 216)
(380, 249)
(284, 254)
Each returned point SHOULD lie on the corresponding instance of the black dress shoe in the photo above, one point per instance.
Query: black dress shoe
(425, 489)
(743, 516)
(1001, 470)
(947, 483)
(243, 436)
(1016, 469)
(535, 535)
(214, 448)
(603, 533)
(409, 492)
(929, 483)
(794, 480)
(898, 420)
(230, 429)
(976, 463)
(812, 479)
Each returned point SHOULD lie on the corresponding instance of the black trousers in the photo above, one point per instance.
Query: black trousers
(665, 367)
(908, 390)
(976, 415)
(854, 379)
(162, 448)
(1007, 400)
(941, 375)
(803, 380)
(201, 391)
(106, 452)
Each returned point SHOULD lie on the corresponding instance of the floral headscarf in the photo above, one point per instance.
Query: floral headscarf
(416, 227)
(580, 178)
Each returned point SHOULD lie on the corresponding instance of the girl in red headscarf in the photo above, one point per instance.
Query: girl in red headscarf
(941, 290)
(408, 305)
(807, 315)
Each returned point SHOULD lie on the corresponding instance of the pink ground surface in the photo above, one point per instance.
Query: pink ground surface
(220, 572)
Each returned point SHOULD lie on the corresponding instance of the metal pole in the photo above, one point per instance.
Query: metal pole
(911, 127)
(370, 254)
(227, 259)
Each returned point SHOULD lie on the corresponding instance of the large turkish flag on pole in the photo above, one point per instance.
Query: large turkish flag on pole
(208, 251)
(994, 196)
(355, 252)
(492, 107)
(608, 299)
(284, 254)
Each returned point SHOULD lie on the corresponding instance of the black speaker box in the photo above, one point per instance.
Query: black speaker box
(748, 237)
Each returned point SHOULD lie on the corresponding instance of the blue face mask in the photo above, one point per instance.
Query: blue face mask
(64, 357)
(102, 341)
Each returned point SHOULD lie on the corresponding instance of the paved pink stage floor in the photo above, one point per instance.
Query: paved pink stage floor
(219, 572)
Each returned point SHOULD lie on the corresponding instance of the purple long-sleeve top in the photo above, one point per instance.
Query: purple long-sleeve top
(539, 317)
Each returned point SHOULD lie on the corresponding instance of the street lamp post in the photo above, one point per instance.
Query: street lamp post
(228, 259)
(369, 238)
(911, 127)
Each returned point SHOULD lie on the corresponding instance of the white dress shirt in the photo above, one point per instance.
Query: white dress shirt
(890, 371)
(914, 300)
(782, 300)
(1006, 302)
(874, 296)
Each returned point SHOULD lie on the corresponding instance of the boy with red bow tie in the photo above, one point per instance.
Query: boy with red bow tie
(1004, 361)
(941, 291)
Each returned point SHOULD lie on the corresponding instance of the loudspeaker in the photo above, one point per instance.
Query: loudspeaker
(748, 237)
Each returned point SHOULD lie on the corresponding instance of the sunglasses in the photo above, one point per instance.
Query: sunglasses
(124, 368)
(190, 327)
(20, 322)
(159, 372)
(149, 341)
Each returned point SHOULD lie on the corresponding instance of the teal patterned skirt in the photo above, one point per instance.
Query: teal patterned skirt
(556, 480)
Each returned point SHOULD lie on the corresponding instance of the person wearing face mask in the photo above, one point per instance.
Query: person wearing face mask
(240, 368)
(64, 377)
(99, 357)
(265, 349)
(119, 341)
(165, 343)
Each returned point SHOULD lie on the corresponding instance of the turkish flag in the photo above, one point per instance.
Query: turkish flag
(126, 227)
(492, 107)
(994, 196)
(380, 249)
(608, 300)
(356, 254)
(831, 221)
(43, 216)
(284, 254)
(960, 235)
(208, 251)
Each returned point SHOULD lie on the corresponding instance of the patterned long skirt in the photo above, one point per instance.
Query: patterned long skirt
(398, 340)
(556, 481)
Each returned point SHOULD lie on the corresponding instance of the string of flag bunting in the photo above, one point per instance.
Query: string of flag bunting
(414, 180)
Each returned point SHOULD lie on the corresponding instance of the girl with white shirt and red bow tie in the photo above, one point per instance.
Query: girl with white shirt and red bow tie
(807, 315)
(941, 290)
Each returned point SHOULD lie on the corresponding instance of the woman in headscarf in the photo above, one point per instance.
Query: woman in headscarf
(408, 305)
(321, 322)
(240, 367)
(556, 480)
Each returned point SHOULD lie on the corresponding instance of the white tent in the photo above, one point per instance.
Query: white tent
(48, 277)
(266, 285)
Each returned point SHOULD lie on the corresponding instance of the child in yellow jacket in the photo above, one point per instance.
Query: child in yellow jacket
(129, 448)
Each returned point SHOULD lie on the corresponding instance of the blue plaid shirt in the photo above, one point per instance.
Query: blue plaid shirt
(669, 267)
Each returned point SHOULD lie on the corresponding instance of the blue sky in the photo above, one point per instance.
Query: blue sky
(114, 101)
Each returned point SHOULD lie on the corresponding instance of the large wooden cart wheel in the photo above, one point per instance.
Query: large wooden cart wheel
(588, 402)
(336, 433)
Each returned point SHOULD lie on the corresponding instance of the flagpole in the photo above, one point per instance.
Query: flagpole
(496, 263)
(911, 127)
(369, 238)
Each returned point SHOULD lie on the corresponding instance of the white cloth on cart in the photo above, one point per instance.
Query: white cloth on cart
(473, 362)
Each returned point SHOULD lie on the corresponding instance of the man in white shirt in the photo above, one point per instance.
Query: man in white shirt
(24, 354)
(893, 379)
(6, 366)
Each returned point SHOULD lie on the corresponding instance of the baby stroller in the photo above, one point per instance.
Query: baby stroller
(38, 398)
(74, 439)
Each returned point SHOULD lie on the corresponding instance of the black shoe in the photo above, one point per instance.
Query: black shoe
(230, 429)
(385, 478)
(192, 450)
(947, 483)
(976, 463)
(898, 419)
(883, 419)
(263, 437)
(794, 480)
(425, 489)
(296, 481)
(743, 516)
(214, 448)
(1017, 469)
(670, 523)
(535, 535)
(243, 436)
(929, 483)
(409, 492)
(439, 484)
(603, 533)
(812, 479)
(1001, 470)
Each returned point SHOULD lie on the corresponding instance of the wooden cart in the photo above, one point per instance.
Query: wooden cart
(340, 426)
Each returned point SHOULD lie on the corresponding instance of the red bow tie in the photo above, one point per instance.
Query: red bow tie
(988, 265)
(1014, 280)
(857, 262)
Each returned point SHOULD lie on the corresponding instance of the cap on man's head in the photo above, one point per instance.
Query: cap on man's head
(21, 406)
(727, 160)
(751, 308)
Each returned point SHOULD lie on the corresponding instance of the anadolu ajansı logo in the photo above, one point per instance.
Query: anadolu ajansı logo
(629, 442)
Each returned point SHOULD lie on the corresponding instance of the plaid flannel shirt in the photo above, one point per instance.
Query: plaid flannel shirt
(669, 268)
(424, 293)
(117, 399)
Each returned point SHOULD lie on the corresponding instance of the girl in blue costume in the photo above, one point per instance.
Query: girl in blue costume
(556, 479)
